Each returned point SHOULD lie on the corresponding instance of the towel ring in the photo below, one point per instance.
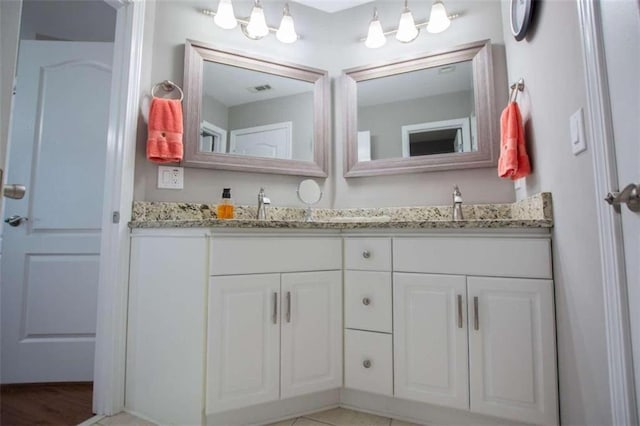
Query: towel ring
(515, 88)
(167, 86)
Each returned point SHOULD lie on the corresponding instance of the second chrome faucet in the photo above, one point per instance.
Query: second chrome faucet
(263, 203)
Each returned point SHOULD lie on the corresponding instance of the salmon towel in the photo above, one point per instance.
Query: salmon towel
(164, 142)
(514, 161)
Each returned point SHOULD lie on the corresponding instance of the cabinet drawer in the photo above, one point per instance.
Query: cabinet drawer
(489, 256)
(373, 254)
(368, 362)
(265, 254)
(368, 300)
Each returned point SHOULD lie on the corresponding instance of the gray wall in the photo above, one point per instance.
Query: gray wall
(386, 135)
(215, 112)
(330, 42)
(295, 108)
(550, 61)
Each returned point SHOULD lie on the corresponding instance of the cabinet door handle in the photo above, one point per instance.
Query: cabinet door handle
(275, 308)
(366, 254)
(476, 315)
(366, 363)
(366, 301)
(459, 311)
(288, 306)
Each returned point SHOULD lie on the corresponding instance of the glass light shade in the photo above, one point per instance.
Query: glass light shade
(287, 32)
(438, 21)
(257, 27)
(224, 16)
(407, 30)
(375, 36)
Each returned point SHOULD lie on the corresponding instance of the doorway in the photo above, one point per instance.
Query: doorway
(57, 149)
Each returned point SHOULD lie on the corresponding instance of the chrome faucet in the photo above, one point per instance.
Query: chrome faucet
(457, 204)
(263, 203)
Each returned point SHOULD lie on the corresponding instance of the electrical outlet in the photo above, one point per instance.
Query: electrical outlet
(170, 177)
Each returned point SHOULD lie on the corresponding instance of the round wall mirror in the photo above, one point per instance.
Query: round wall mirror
(309, 193)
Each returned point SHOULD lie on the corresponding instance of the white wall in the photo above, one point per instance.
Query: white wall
(330, 42)
(550, 61)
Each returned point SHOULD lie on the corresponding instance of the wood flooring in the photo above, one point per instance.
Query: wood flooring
(50, 404)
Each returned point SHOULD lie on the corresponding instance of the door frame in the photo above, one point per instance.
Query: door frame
(111, 328)
(614, 281)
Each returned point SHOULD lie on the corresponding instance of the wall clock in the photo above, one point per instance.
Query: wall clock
(521, 13)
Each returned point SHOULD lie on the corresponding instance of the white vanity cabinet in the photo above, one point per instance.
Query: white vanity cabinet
(476, 335)
(275, 319)
(166, 325)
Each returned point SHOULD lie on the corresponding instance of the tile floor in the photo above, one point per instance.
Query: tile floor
(333, 417)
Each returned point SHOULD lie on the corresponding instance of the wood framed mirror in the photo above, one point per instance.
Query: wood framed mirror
(426, 113)
(253, 114)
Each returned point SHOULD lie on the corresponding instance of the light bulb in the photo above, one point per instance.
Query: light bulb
(375, 36)
(438, 21)
(257, 26)
(407, 30)
(224, 16)
(287, 31)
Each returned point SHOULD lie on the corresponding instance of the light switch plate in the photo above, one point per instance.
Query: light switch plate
(576, 126)
(170, 177)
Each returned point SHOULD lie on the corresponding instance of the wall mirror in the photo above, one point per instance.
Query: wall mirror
(427, 113)
(253, 114)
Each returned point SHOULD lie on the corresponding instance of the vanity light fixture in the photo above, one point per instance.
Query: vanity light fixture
(287, 31)
(375, 36)
(255, 27)
(407, 30)
(225, 18)
(438, 20)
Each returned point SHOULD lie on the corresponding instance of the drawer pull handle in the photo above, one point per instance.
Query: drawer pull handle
(366, 363)
(288, 306)
(275, 308)
(476, 315)
(459, 311)
(366, 301)
(366, 254)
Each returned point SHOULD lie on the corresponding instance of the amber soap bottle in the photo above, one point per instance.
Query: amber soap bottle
(225, 208)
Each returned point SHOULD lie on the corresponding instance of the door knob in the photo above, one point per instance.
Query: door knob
(14, 220)
(630, 196)
(14, 191)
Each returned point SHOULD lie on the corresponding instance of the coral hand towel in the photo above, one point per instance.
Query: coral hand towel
(164, 143)
(514, 161)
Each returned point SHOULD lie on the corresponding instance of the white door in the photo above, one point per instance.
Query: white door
(311, 355)
(512, 363)
(243, 341)
(621, 29)
(50, 260)
(430, 339)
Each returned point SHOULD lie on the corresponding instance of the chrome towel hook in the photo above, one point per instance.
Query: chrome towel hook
(515, 88)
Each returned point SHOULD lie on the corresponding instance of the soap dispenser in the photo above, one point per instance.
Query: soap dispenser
(457, 204)
(225, 208)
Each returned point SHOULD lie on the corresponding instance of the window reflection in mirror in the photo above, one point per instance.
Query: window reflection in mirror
(256, 114)
(424, 112)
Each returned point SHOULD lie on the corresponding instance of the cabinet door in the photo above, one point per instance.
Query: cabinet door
(166, 327)
(244, 341)
(311, 357)
(512, 349)
(430, 339)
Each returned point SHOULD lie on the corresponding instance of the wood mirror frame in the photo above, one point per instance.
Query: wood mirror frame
(195, 55)
(487, 119)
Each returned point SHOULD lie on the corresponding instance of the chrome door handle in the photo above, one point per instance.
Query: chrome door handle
(630, 196)
(14, 191)
(15, 220)
(288, 306)
(275, 308)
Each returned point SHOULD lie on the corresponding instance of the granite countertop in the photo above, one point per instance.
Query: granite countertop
(532, 212)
